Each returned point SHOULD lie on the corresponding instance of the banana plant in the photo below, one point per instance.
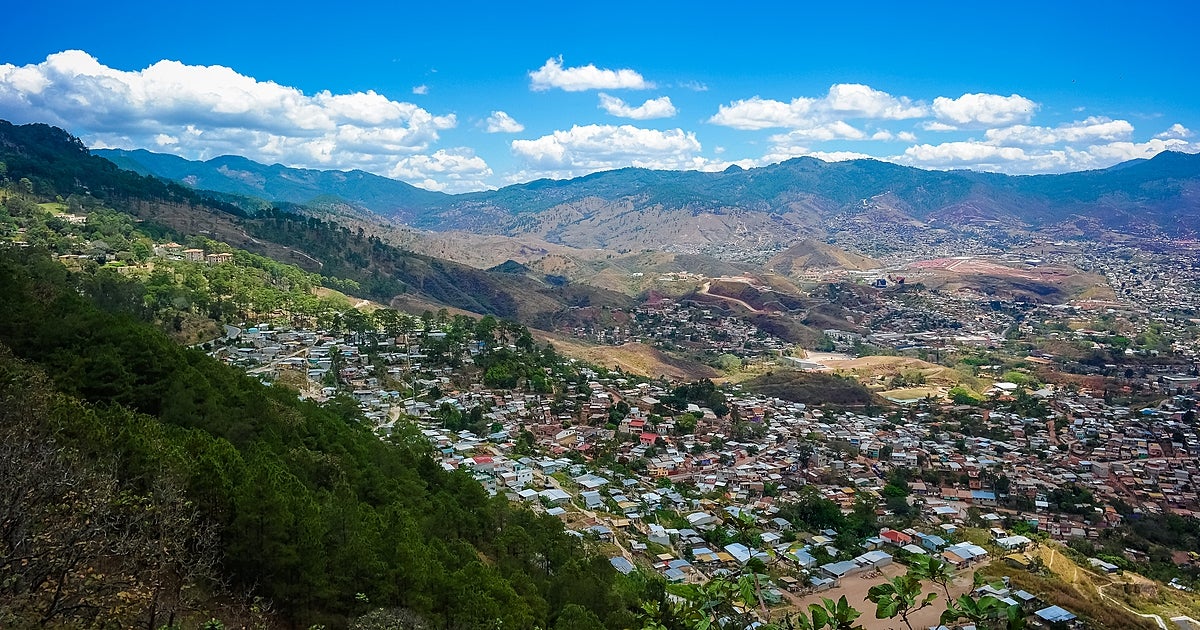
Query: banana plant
(828, 615)
(933, 569)
(899, 597)
(986, 612)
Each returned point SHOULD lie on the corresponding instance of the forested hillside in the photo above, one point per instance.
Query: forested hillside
(47, 162)
(191, 487)
(146, 484)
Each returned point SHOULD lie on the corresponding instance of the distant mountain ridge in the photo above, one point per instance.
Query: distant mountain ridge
(57, 163)
(737, 210)
(241, 176)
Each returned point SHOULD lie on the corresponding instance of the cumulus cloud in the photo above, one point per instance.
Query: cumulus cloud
(501, 122)
(1175, 131)
(552, 74)
(842, 101)
(653, 108)
(420, 89)
(585, 149)
(1117, 152)
(933, 125)
(1091, 129)
(963, 154)
(884, 135)
(839, 156)
(983, 109)
(1016, 160)
(854, 100)
(760, 113)
(458, 170)
(836, 130)
(200, 112)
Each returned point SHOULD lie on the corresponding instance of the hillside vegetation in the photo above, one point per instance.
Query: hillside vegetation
(811, 388)
(229, 487)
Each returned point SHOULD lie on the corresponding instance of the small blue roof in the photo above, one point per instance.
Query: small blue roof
(1055, 614)
(621, 564)
(840, 568)
(674, 575)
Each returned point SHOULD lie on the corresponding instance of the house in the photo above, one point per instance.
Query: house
(592, 499)
(1013, 543)
(621, 564)
(839, 570)
(874, 559)
(518, 476)
(932, 542)
(803, 558)
(700, 519)
(555, 496)
(218, 258)
(601, 532)
(945, 512)
(895, 537)
(1055, 615)
(741, 553)
(964, 554)
(983, 497)
(193, 255)
(674, 575)
(821, 583)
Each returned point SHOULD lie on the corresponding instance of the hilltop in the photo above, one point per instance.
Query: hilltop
(55, 162)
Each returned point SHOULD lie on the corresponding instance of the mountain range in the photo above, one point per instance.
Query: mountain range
(737, 213)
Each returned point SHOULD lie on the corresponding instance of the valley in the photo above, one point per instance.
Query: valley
(601, 395)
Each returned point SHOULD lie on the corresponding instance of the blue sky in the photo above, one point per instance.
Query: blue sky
(462, 96)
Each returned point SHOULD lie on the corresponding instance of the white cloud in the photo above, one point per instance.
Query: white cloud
(761, 113)
(854, 100)
(962, 154)
(884, 135)
(839, 156)
(984, 109)
(653, 108)
(836, 130)
(985, 156)
(552, 74)
(585, 149)
(843, 100)
(1117, 152)
(933, 125)
(1175, 131)
(694, 86)
(420, 89)
(1091, 129)
(458, 170)
(501, 122)
(200, 112)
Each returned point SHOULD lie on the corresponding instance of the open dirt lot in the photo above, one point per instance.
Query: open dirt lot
(855, 589)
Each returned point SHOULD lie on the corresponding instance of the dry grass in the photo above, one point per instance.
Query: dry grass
(634, 358)
(1073, 587)
(888, 366)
